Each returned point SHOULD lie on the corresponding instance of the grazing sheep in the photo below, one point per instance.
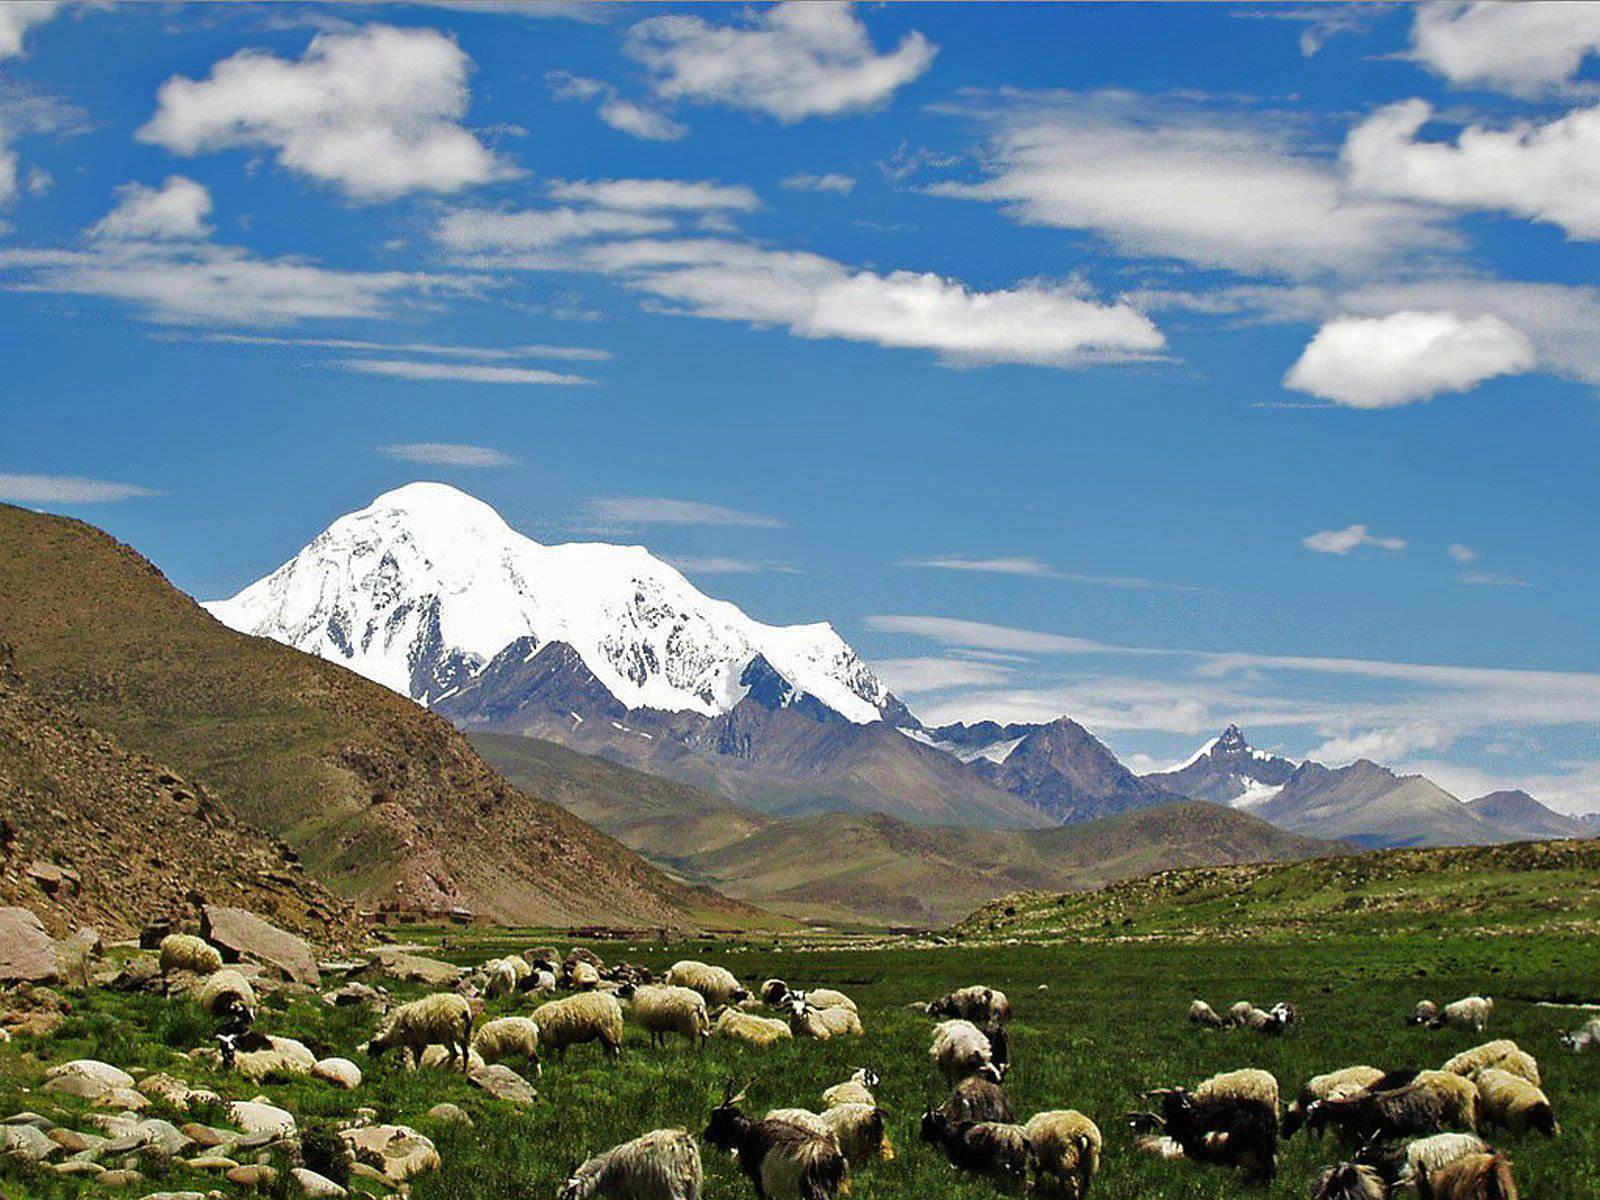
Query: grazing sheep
(855, 1090)
(716, 984)
(509, 1037)
(185, 952)
(784, 1160)
(1067, 1147)
(959, 1049)
(1230, 1120)
(580, 954)
(826, 998)
(1260, 1020)
(1425, 1013)
(586, 1017)
(860, 1132)
(540, 981)
(1202, 1014)
(1346, 1081)
(583, 976)
(1585, 1037)
(774, 993)
(1432, 1102)
(984, 1006)
(803, 1117)
(1472, 1177)
(976, 1098)
(443, 1018)
(821, 1024)
(1286, 1013)
(661, 1165)
(1249, 1083)
(1001, 1152)
(227, 996)
(1470, 1012)
(1239, 1011)
(1400, 1165)
(546, 957)
(1502, 1053)
(500, 978)
(1513, 1103)
(1349, 1181)
(751, 1029)
(664, 1009)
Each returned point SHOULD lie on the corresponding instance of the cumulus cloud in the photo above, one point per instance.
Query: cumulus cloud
(816, 297)
(1405, 357)
(1545, 172)
(17, 17)
(1383, 745)
(447, 454)
(65, 489)
(176, 210)
(654, 195)
(1352, 537)
(1519, 48)
(804, 181)
(455, 372)
(634, 511)
(1462, 554)
(375, 112)
(481, 230)
(1165, 180)
(792, 61)
(628, 116)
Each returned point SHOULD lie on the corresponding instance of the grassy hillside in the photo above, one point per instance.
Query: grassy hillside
(381, 798)
(1525, 886)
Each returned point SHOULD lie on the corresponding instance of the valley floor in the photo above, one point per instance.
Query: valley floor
(1095, 1025)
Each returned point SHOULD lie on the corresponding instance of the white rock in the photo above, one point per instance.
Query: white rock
(340, 1072)
(255, 1116)
(312, 1184)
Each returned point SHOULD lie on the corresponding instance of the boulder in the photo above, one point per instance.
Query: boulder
(255, 1117)
(123, 1100)
(503, 1083)
(92, 1068)
(309, 1183)
(253, 1175)
(397, 1150)
(164, 1136)
(26, 1141)
(340, 1072)
(27, 955)
(450, 1114)
(91, 1079)
(79, 1166)
(120, 1178)
(239, 933)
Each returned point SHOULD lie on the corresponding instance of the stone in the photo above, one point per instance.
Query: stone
(255, 1175)
(314, 1185)
(239, 933)
(165, 1136)
(413, 968)
(26, 1141)
(207, 1135)
(120, 1177)
(74, 1142)
(449, 1113)
(439, 1058)
(220, 1163)
(397, 1150)
(37, 1120)
(340, 1072)
(176, 1196)
(75, 951)
(79, 1166)
(362, 1171)
(141, 973)
(503, 1083)
(123, 1100)
(92, 1068)
(33, 1011)
(27, 955)
(254, 1118)
(354, 993)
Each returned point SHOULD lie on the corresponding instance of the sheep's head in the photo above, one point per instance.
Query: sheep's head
(1425, 1011)
(774, 992)
(228, 1048)
(722, 1130)
(942, 1007)
(866, 1077)
(935, 1126)
(1348, 1181)
(572, 1187)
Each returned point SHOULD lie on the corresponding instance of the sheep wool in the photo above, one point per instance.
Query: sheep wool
(1067, 1145)
(185, 952)
(1335, 1085)
(1425, 1013)
(667, 1009)
(822, 1023)
(443, 1018)
(227, 993)
(978, 1004)
(751, 1029)
(829, 998)
(716, 984)
(860, 1132)
(976, 1099)
(509, 1037)
(855, 1090)
(586, 1017)
(959, 1049)
(786, 1159)
(1202, 1014)
(1513, 1103)
(1502, 1053)
(662, 1165)
(1585, 1037)
(1470, 1012)
(1471, 1177)
(1404, 1164)
(1349, 1181)
(1247, 1084)
(1239, 1011)
(583, 977)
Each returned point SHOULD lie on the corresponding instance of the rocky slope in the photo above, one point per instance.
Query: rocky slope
(1227, 770)
(1519, 817)
(1373, 806)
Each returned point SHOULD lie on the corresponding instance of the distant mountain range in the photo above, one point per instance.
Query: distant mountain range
(612, 652)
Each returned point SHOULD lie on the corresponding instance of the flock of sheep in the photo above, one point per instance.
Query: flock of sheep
(1418, 1129)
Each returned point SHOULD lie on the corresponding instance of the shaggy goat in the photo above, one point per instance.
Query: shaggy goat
(661, 1165)
(1230, 1119)
(1346, 1081)
(1400, 1164)
(1066, 1145)
(984, 1006)
(586, 1017)
(1001, 1152)
(783, 1159)
(1432, 1102)
(1472, 1177)
(442, 1018)
(860, 1132)
(1513, 1103)
(976, 1098)
(1349, 1181)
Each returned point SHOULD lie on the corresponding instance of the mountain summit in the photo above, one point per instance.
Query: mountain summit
(421, 589)
(1227, 770)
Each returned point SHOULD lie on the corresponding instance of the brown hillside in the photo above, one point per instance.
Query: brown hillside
(382, 799)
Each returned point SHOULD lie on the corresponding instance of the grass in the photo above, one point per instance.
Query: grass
(1109, 1026)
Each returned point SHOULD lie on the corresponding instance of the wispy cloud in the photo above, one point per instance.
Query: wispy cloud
(481, 353)
(636, 511)
(1351, 537)
(428, 372)
(1490, 579)
(656, 195)
(1039, 570)
(1462, 554)
(980, 635)
(448, 454)
(805, 181)
(66, 489)
(929, 676)
(723, 564)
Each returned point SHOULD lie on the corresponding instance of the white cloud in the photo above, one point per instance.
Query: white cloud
(804, 181)
(816, 297)
(653, 195)
(1383, 745)
(1462, 554)
(1024, 565)
(791, 61)
(484, 230)
(65, 489)
(1490, 579)
(927, 676)
(1548, 172)
(176, 210)
(448, 454)
(627, 116)
(1519, 48)
(483, 353)
(375, 112)
(1352, 537)
(632, 511)
(723, 564)
(980, 635)
(17, 17)
(456, 372)
(1405, 357)
(1156, 178)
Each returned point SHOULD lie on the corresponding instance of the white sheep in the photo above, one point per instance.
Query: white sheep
(584, 976)
(981, 1005)
(860, 1132)
(585, 1017)
(666, 1009)
(662, 1165)
(821, 1023)
(259, 1058)
(959, 1049)
(1067, 1145)
(1585, 1037)
(716, 984)
(227, 995)
(185, 952)
(442, 1018)
(751, 1029)
(1246, 1084)
(1502, 1053)
(855, 1090)
(500, 978)
(1202, 1014)
(1513, 1103)
(1470, 1012)
(826, 998)
(509, 1037)
(1239, 1012)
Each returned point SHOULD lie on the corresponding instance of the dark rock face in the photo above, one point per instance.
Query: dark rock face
(1229, 769)
(1070, 775)
(241, 934)
(27, 954)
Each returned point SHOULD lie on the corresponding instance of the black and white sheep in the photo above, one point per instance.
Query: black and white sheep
(1425, 1013)
(1471, 1177)
(1431, 1102)
(1512, 1103)
(1346, 1081)
(1349, 1181)
(1230, 1119)
(825, 998)
(185, 952)
(585, 1017)
(661, 1165)
(443, 1018)
(959, 1049)
(1066, 1146)
(227, 996)
(1470, 1012)
(509, 1037)
(785, 1160)
(999, 1151)
(983, 1006)
(664, 1009)
(1502, 1053)
(716, 984)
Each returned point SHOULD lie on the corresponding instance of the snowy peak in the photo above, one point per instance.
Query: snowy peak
(1228, 770)
(422, 588)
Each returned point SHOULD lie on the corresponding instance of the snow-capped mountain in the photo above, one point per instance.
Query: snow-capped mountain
(423, 587)
(1228, 770)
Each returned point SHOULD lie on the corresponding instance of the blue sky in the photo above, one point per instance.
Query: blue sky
(1162, 366)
